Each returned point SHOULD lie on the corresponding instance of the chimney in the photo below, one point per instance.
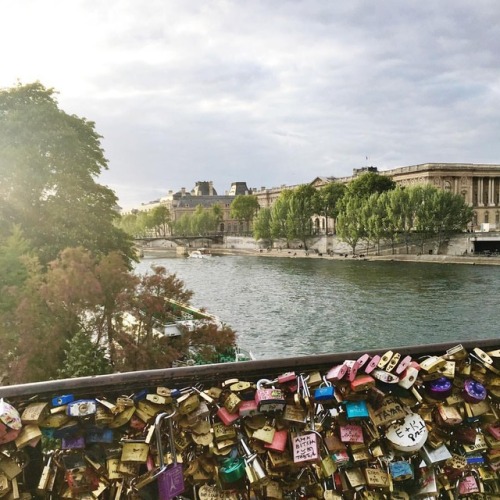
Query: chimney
(183, 191)
(210, 188)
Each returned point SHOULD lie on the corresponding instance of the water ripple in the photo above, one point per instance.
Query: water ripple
(291, 307)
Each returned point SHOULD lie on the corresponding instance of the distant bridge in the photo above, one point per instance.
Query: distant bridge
(182, 240)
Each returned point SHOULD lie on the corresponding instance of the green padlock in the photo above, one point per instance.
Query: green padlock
(232, 470)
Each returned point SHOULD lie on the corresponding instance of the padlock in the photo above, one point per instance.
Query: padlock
(265, 434)
(35, 413)
(351, 433)
(403, 365)
(390, 411)
(305, 447)
(436, 456)
(325, 392)
(81, 408)
(409, 435)
(352, 369)
(269, 399)
(256, 473)
(432, 364)
(409, 376)
(248, 408)
(170, 478)
(393, 362)
(401, 470)
(336, 373)
(468, 484)
(473, 392)
(439, 389)
(362, 383)
(279, 441)
(372, 364)
(356, 410)
(376, 477)
(384, 376)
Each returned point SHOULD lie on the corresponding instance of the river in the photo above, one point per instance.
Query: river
(292, 307)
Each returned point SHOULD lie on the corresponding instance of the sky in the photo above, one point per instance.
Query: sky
(270, 92)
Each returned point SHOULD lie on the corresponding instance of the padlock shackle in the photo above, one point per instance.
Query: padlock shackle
(159, 445)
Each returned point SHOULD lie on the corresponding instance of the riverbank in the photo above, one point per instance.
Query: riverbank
(302, 254)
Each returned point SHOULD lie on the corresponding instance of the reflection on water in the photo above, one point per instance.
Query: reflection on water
(289, 307)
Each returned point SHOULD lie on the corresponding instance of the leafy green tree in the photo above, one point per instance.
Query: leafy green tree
(389, 229)
(350, 227)
(244, 207)
(452, 215)
(262, 226)
(327, 201)
(368, 183)
(83, 358)
(401, 211)
(217, 216)
(161, 220)
(279, 216)
(49, 162)
(301, 210)
(182, 226)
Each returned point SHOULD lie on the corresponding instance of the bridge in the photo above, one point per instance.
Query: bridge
(182, 240)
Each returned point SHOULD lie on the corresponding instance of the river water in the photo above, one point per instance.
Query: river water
(290, 307)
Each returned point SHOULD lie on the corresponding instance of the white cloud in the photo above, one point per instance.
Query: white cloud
(265, 92)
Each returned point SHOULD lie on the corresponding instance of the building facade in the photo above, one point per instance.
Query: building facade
(203, 194)
(478, 184)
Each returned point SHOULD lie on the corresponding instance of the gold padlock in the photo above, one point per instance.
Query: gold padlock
(188, 403)
(35, 413)
(432, 364)
(134, 452)
(265, 434)
(376, 478)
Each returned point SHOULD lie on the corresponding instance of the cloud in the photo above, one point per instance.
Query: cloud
(269, 93)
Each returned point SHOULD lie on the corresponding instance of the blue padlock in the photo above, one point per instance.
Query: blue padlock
(325, 392)
(401, 470)
(356, 409)
(64, 399)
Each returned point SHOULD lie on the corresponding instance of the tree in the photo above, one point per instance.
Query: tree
(244, 207)
(49, 161)
(349, 227)
(301, 210)
(262, 226)
(84, 358)
(279, 216)
(369, 183)
(327, 201)
(161, 220)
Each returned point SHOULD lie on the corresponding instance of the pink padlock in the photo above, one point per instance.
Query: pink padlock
(280, 440)
(336, 373)
(372, 364)
(352, 369)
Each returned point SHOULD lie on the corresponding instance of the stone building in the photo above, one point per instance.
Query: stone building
(183, 202)
(479, 184)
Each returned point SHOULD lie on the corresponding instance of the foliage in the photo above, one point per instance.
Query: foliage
(244, 207)
(201, 221)
(279, 216)
(368, 183)
(349, 226)
(413, 214)
(79, 295)
(49, 161)
(262, 226)
(301, 210)
(327, 200)
(84, 358)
